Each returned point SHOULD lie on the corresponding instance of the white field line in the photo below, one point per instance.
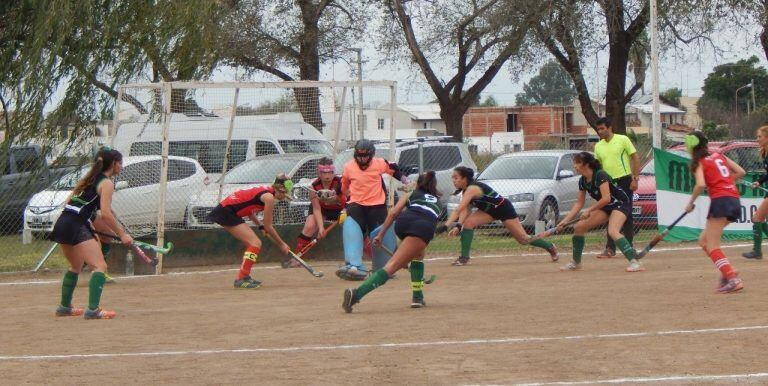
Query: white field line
(266, 267)
(670, 378)
(518, 340)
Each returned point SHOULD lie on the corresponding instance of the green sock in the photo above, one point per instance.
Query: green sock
(417, 278)
(95, 286)
(105, 249)
(541, 243)
(626, 248)
(466, 241)
(765, 228)
(68, 288)
(757, 236)
(578, 248)
(371, 283)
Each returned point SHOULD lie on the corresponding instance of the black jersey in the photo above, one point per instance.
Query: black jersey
(423, 202)
(618, 195)
(85, 204)
(488, 200)
(764, 177)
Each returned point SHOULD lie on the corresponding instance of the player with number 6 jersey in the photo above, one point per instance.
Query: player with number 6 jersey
(416, 215)
(717, 174)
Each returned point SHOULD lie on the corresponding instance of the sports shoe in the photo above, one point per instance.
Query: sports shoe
(635, 266)
(108, 279)
(461, 261)
(572, 266)
(553, 253)
(354, 274)
(732, 285)
(753, 255)
(68, 311)
(99, 314)
(418, 302)
(349, 300)
(247, 283)
(606, 254)
(722, 282)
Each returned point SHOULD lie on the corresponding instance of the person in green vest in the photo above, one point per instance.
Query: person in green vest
(620, 160)
(759, 226)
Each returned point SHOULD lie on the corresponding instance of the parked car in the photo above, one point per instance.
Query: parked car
(541, 184)
(136, 198)
(23, 172)
(260, 171)
(744, 153)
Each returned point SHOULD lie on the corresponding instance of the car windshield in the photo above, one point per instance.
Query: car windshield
(259, 171)
(520, 168)
(346, 155)
(648, 169)
(69, 180)
(306, 146)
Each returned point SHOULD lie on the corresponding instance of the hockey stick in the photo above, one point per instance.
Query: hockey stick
(342, 217)
(552, 231)
(431, 278)
(303, 263)
(745, 183)
(135, 247)
(659, 237)
(146, 246)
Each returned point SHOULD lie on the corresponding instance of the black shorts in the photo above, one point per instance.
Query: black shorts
(623, 207)
(70, 230)
(368, 217)
(412, 223)
(503, 212)
(329, 214)
(728, 207)
(224, 216)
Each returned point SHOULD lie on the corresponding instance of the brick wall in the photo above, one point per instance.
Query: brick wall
(538, 123)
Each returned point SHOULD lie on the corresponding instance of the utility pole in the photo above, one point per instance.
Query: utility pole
(656, 117)
(360, 119)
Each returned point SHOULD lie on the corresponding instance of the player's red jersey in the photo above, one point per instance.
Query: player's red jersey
(336, 187)
(247, 201)
(717, 176)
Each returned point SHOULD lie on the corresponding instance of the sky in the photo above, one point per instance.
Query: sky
(684, 70)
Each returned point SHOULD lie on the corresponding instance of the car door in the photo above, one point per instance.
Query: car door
(138, 202)
(183, 182)
(567, 188)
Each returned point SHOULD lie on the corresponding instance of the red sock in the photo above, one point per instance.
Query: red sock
(722, 263)
(367, 248)
(249, 258)
(302, 242)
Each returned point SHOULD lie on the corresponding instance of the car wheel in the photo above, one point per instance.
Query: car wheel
(548, 213)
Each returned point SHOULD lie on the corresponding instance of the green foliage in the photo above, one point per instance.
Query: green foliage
(489, 101)
(721, 84)
(552, 86)
(672, 96)
(715, 132)
(551, 144)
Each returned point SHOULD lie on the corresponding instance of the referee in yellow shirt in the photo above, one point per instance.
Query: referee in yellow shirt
(619, 159)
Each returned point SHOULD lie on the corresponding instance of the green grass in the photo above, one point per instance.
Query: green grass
(23, 257)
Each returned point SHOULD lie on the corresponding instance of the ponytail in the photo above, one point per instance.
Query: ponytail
(586, 158)
(697, 145)
(428, 183)
(105, 158)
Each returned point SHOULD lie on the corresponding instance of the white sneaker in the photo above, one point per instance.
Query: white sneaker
(572, 266)
(635, 266)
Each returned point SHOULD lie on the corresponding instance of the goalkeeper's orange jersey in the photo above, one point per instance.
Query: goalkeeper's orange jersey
(364, 186)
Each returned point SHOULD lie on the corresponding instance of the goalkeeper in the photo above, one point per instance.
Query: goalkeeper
(327, 202)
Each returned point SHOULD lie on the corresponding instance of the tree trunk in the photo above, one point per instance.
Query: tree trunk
(307, 98)
(764, 36)
(453, 116)
(616, 84)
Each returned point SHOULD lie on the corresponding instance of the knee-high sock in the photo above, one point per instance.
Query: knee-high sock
(95, 286)
(541, 243)
(381, 257)
(353, 243)
(68, 288)
(722, 263)
(578, 248)
(765, 228)
(373, 281)
(417, 278)
(249, 259)
(757, 236)
(466, 241)
(302, 241)
(626, 248)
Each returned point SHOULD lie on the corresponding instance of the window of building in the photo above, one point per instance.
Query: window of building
(380, 124)
(512, 126)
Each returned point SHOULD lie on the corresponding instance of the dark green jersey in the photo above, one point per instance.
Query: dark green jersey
(600, 177)
(423, 202)
(764, 177)
(489, 200)
(85, 204)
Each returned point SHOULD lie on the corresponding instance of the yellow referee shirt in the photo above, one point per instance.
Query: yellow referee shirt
(614, 155)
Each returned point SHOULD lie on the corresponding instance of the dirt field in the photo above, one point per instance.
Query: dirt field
(502, 320)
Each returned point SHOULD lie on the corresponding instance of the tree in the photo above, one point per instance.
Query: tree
(552, 86)
(489, 101)
(289, 39)
(470, 40)
(575, 30)
(721, 84)
(672, 96)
